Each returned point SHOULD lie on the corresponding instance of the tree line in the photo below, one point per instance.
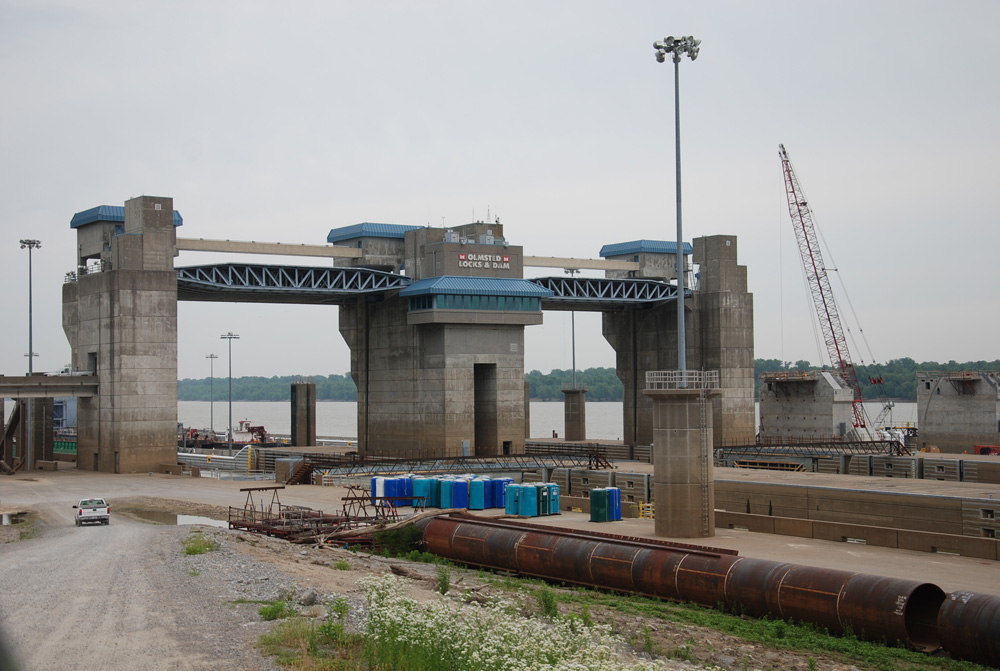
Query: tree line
(898, 382)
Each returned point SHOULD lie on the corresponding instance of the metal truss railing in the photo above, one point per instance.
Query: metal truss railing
(604, 291)
(257, 282)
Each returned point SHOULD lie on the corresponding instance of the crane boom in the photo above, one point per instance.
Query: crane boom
(819, 284)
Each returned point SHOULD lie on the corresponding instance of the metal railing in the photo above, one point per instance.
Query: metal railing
(682, 379)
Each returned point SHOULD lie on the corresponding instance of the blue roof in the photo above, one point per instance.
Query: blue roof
(112, 213)
(476, 286)
(643, 247)
(369, 230)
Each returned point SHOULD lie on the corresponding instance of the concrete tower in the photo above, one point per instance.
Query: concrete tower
(120, 317)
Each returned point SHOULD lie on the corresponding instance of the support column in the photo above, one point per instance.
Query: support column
(575, 412)
(303, 414)
(683, 481)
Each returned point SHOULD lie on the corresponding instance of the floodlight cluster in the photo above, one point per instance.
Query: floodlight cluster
(676, 46)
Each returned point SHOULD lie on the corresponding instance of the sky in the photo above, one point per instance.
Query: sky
(280, 121)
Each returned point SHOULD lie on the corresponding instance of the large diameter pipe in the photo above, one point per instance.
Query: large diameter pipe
(969, 625)
(872, 607)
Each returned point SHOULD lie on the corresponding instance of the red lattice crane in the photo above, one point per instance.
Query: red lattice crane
(819, 284)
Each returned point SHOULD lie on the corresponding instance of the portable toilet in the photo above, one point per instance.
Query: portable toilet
(447, 487)
(422, 488)
(477, 494)
(599, 505)
(407, 490)
(543, 498)
(460, 493)
(489, 488)
(553, 498)
(614, 504)
(527, 505)
(511, 495)
(378, 487)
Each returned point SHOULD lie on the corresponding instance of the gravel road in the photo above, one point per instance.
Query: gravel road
(125, 596)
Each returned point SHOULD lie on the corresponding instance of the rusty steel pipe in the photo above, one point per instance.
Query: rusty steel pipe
(969, 625)
(872, 607)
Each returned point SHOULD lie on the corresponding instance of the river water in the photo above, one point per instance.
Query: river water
(339, 418)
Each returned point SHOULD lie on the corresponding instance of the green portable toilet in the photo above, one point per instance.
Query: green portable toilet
(600, 509)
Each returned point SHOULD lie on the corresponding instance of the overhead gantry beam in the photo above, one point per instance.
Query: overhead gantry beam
(333, 251)
(47, 386)
(273, 248)
(578, 264)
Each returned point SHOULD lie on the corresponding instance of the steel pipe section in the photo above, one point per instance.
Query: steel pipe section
(969, 625)
(872, 607)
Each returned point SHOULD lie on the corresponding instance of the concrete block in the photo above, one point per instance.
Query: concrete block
(789, 526)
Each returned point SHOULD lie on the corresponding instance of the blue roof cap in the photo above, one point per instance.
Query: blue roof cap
(476, 286)
(644, 247)
(369, 230)
(112, 213)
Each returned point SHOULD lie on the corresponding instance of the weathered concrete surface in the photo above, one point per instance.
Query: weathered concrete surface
(575, 413)
(303, 413)
(815, 406)
(121, 324)
(958, 410)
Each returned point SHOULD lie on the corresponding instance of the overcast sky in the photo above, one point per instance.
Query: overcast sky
(279, 121)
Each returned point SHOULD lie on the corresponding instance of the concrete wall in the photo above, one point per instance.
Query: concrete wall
(919, 512)
(958, 410)
(123, 321)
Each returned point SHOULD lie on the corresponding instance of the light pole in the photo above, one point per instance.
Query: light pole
(211, 390)
(30, 245)
(230, 336)
(675, 47)
(572, 273)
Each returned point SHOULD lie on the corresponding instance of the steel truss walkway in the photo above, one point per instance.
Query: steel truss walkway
(259, 283)
(809, 449)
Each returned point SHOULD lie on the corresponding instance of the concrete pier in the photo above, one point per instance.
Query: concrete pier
(575, 411)
(683, 482)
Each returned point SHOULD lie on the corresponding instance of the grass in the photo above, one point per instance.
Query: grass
(301, 644)
(27, 529)
(198, 544)
(276, 610)
(342, 565)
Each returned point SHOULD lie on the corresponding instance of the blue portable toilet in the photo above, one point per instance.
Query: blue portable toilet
(422, 488)
(488, 493)
(553, 498)
(460, 494)
(378, 487)
(527, 505)
(614, 504)
(512, 498)
(407, 493)
(499, 496)
(447, 487)
(477, 494)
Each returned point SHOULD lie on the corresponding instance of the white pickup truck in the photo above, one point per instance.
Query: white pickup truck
(92, 510)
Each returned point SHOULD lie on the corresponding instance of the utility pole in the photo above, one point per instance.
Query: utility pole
(30, 245)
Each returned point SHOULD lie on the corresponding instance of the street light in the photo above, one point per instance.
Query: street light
(572, 273)
(230, 336)
(675, 47)
(211, 390)
(30, 245)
